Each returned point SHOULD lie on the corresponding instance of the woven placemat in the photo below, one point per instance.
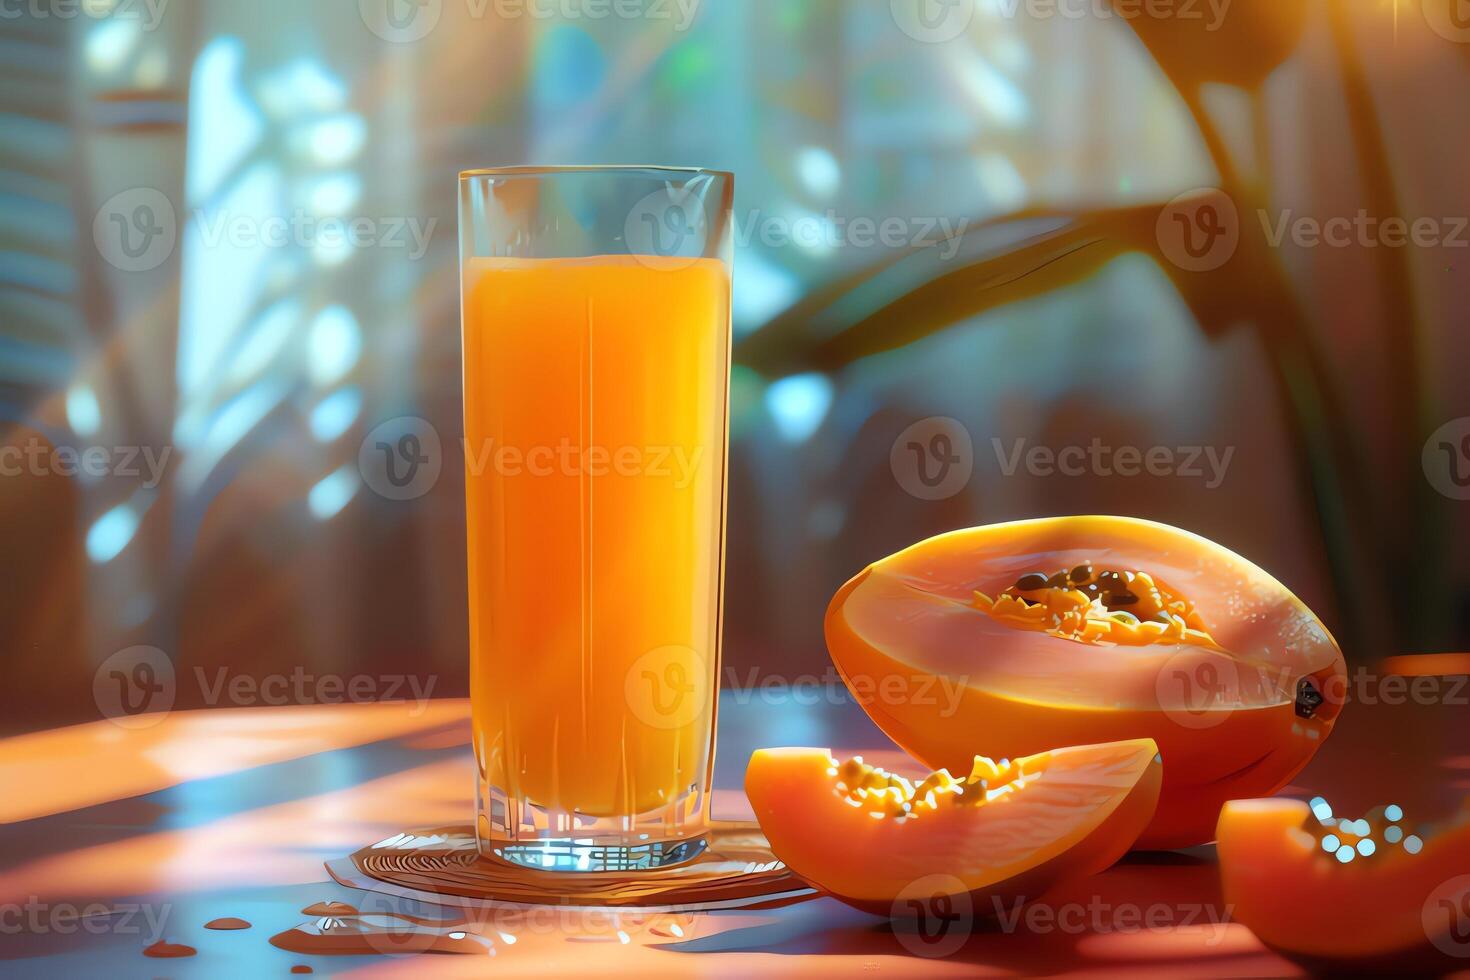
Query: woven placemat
(736, 871)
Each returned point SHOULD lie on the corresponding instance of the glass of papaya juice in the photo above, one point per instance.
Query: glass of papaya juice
(595, 308)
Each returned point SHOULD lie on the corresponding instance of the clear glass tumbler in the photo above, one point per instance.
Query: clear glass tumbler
(596, 332)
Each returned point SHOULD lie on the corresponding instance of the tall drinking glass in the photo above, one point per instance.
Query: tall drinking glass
(596, 331)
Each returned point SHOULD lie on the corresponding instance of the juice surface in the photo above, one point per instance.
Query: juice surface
(594, 394)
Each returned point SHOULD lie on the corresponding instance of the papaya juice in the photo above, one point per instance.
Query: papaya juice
(595, 434)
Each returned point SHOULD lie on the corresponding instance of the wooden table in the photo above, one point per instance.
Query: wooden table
(233, 812)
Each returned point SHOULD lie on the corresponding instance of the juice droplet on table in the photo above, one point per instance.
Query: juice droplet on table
(168, 951)
(227, 922)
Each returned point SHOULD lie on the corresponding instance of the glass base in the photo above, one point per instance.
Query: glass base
(453, 868)
(586, 855)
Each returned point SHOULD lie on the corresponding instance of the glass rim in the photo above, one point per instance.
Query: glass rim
(616, 168)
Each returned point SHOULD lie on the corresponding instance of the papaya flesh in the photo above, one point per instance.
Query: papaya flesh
(1082, 630)
(1372, 892)
(1004, 832)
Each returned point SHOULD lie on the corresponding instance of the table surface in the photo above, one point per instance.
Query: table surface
(232, 812)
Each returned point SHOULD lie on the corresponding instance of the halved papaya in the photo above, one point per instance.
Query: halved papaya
(1006, 831)
(1077, 630)
(1372, 892)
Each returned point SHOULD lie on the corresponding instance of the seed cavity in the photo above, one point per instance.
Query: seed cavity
(888, 795)
(1089, 604)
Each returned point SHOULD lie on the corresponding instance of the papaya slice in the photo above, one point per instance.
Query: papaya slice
(1373, 892)
(1005, 831)
(1013, 638)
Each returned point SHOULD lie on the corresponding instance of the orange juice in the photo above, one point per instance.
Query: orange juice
(594, 400)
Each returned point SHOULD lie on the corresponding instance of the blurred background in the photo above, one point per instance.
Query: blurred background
(228, 254)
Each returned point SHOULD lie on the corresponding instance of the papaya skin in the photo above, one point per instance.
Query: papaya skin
(911, 622)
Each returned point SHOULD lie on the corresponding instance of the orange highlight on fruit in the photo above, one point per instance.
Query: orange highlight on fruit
(1381, 890)
(1427, 664)
(1080, 630)
(1004, 831)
